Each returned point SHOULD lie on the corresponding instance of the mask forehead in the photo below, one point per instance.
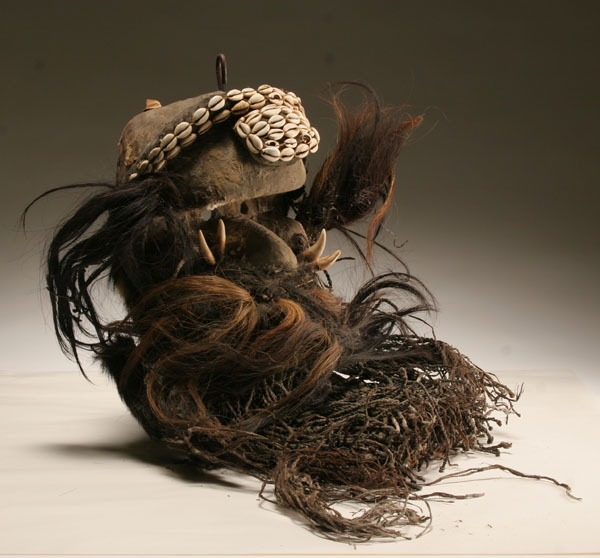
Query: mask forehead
(228, 147)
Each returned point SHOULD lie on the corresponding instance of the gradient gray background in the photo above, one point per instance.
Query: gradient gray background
(497, 194)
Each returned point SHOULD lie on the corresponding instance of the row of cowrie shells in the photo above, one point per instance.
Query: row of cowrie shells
(288, 132)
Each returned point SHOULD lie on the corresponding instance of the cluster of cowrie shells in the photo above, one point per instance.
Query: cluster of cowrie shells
(270, 120)
(277, 129)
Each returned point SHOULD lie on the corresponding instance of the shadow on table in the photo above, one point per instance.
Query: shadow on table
(151, 452)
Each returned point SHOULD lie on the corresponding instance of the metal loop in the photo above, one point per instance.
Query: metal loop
(221, 72)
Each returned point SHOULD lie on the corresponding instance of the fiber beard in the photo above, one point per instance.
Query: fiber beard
(329, 401)
(265, 372)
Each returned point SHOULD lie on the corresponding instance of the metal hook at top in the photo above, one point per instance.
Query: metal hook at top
(221, 71)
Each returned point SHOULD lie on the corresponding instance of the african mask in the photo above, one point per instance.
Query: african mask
(235, 348)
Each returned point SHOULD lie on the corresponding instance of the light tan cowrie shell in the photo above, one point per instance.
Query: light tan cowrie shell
(216, 103)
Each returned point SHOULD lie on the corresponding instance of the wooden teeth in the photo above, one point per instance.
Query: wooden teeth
(270, 120)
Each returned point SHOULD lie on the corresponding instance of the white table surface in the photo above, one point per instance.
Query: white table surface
(78, 476)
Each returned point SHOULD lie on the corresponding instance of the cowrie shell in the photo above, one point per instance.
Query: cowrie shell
(302, 151)
(287, 154)
(289, 99)
(276, 134)
(200, 116)
(248, 92)
(190, 139)
(181, 127)
(166, 140)
(304, 137)
(290, 142)
(252, 117)
(216, 103)
(240, 107)
(276, 98)
(222, 116)
(153, 153)
(143, 166)
(270, 110)
(254, 143)
(243, 129)
(174, 152)
(204, 128)
(265, 89)
(235, 95)
(261, 128)
(160, 165)
(271, 154)
(256, 99)
(171, 145)
(186, 133)
(314, 145)
(277, 121)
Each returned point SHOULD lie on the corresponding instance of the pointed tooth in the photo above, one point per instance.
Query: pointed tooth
(313, 253)
(206, 251)
(221, 238)
(323, 263)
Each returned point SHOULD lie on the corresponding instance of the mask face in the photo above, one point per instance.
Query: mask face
(241, 157)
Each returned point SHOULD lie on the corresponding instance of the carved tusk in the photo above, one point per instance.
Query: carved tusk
(206, 252)
(313, 253)
(323, 263)
(152, 104)
(221, 238)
